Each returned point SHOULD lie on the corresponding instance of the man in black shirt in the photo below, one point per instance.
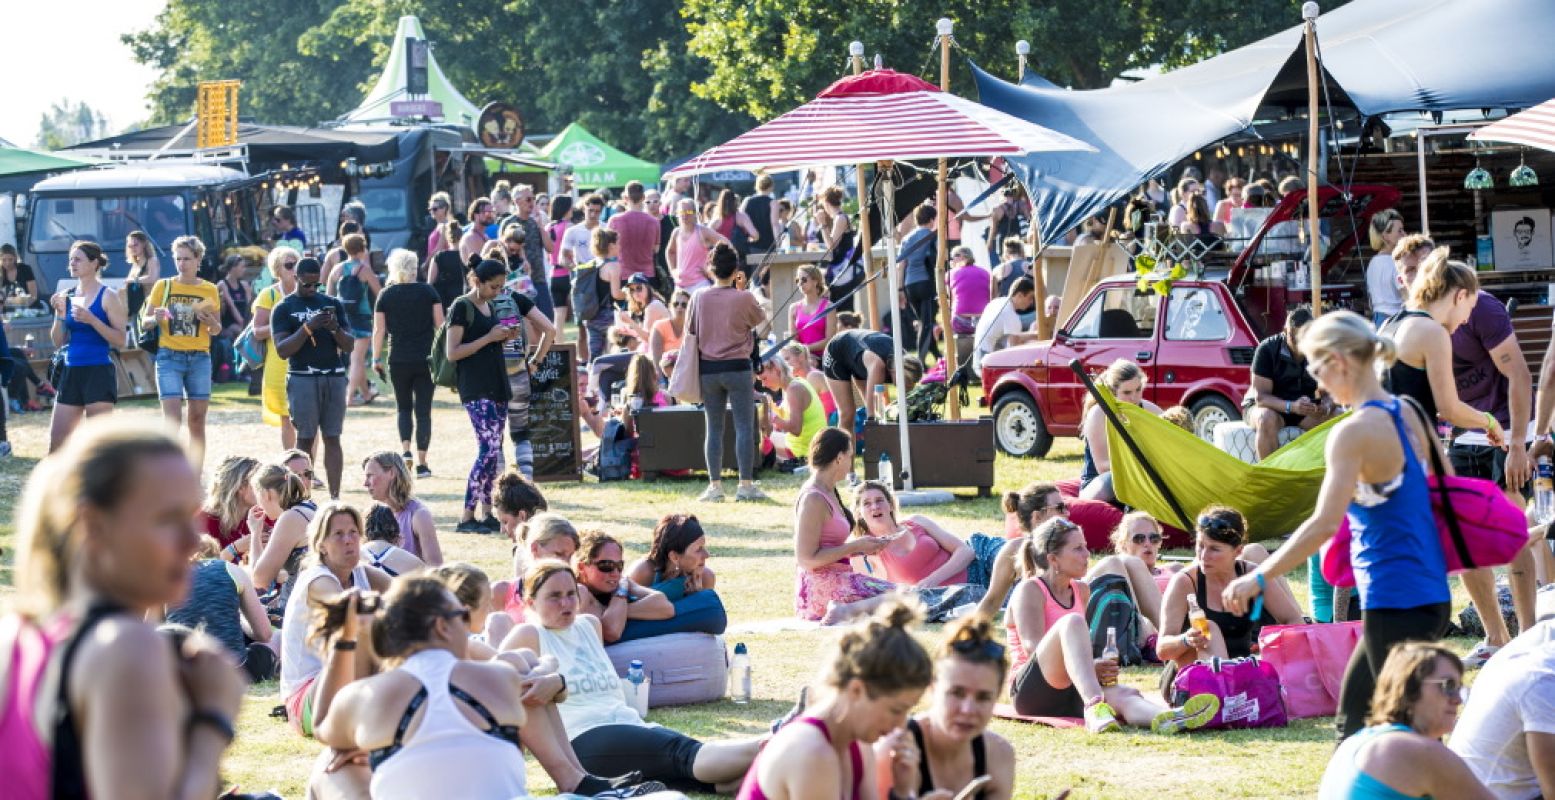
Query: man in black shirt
(1284, 394)
(308, 334)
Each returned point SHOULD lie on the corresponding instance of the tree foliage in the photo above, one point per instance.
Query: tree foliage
(66, 124)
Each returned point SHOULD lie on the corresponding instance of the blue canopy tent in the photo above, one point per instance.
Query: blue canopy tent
(1379, 56)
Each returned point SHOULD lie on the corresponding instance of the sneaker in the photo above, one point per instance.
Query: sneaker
(1100, 718)
(423, 471)
(46, 389)
(1192, 715)
(712, 494)
(751, 494)
(409, 459)
(793, 713)
(470, 526)
(491, 525)
(5, 449)
(1481, 653)
(16, 406)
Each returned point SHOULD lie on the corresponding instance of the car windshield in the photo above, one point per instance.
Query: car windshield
(106, 219)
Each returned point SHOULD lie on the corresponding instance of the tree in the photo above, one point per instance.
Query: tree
(766, 56)
(65, 124)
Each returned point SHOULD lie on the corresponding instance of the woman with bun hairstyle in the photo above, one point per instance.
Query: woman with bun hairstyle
(276, 556)
(1055, 672)
(949, 745)
(93, 701)
(1377, 459)
(874, 675)
(724, 319)
(827, 588)
(474, 340)
(89, 320)
(607, 734)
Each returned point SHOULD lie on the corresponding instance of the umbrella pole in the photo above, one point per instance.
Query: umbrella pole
(887, 216)
(871, 313)
(944, 28)
(1309, 12)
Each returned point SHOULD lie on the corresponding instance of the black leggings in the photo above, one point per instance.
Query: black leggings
(924, 303)
(413, 392)
(260, 662)
(22, 374)
(1032, 695)
(1381, 628)
(659, 753)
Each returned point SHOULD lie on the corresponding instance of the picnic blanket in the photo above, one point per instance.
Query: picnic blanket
(1007, 711)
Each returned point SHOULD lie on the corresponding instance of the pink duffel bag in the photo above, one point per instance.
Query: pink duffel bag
(1248, 688)
(1310, 660)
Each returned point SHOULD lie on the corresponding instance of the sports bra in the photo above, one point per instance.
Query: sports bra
(926, 781)
(1405, 380)
(498, 731)
(751, 788)
(376, 559)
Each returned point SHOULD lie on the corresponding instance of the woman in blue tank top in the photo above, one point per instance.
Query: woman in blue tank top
(1376, 476)
(88, 320)
(1400, 756)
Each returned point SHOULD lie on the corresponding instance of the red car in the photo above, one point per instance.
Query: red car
(1195, 345)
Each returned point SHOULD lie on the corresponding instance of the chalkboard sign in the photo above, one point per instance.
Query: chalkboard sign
(553, 420)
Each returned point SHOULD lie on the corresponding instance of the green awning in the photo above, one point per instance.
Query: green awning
(16, 161)
(596, 164)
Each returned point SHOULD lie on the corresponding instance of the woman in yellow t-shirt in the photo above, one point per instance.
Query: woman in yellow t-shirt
(282, 264)
(186, 311)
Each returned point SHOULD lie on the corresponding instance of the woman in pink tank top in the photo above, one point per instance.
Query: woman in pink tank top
(689, 247)
(1055, 673)
(921, 553)
(811, 318)
(827, 588)
(101, 545)
(876, 672)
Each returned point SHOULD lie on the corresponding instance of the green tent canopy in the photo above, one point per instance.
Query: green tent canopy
(1275, 495)
(594, 163)
(391, 84)
(17, 161)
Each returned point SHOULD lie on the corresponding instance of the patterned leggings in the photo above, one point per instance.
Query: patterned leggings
(489, 418)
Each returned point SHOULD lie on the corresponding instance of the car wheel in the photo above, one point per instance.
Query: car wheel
(1018, 426)
(1209, 411)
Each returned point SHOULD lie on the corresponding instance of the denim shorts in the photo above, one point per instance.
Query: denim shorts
(183, 374)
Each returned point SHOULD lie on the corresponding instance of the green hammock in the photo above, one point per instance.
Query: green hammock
(1275, 495)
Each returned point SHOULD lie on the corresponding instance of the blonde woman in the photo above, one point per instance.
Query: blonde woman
(387, 479)
(1126, 381)
(188, 310)
(282, 265)
(1385, 231)
(145, 269)
(229, 500)
(406, 318)
(811, 317)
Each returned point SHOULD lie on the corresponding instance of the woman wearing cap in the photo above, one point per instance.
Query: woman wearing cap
(643, 309)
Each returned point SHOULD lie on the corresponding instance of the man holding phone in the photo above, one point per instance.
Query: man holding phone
(308, 334)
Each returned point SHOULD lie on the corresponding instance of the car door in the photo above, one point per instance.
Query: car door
(1116, 322)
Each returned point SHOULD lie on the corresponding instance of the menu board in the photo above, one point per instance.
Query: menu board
(553, 420)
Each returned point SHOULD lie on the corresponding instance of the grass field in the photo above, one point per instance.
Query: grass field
(752, 553)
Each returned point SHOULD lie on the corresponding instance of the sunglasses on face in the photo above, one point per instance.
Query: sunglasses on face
(307, 285)
(437, 208)
(608, 567)
(463, 613)
(1451, 688)
(681, 304)
(288, 265)
(1218, 525)
(1141, 538)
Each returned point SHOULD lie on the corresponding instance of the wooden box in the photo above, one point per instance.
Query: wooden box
(945, 453)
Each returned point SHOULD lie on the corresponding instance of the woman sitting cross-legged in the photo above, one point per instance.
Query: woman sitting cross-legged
(676, 566)
(605, 592)
(1219, 537)
(1136, 543)
(828, 589)
(875, 674)
(1055, 673)
(1400, 755)
(276, 557)
(920, 553)
(542, 536)
(382, 548)
(949, 745)
(607, 734)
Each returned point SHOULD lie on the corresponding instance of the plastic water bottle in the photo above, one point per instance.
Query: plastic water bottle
(637, 687)
(740, 675)
(880, 401)
(887, 473)
(1544, 491)
(1110, 652)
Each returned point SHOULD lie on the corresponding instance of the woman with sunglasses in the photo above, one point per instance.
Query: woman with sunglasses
(643, 309)
(1400, 755)
(1136, 544)
(1376, 476)
(949, 745)
(664, 338)
(811, 317)
(1055, 672)
(282, 264)
(605, 592)
(1220, 534)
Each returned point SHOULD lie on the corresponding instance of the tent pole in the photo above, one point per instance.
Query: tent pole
(1309, 12)
(871, 313)
(944, 28)
(893, 280)
(1038, 273)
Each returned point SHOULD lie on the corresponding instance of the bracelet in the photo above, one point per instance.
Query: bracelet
(564, 682)
(1287, 406)
(345, 645)
(1257, 610)
(216, 720)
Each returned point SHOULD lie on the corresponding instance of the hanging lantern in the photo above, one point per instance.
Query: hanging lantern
(1524, 175)
(1478, 178)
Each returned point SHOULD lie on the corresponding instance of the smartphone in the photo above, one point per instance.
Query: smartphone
(971, 789)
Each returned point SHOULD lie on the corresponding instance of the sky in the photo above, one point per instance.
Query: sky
(98, 68)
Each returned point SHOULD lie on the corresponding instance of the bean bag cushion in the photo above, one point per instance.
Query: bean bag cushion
(1098, 519)
(682, 668)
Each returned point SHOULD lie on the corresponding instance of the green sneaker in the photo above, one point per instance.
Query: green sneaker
(1100, 718)
(1192, 715)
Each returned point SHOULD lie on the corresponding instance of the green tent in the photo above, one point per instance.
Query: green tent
(595, 164)
(391, 84)
(16, 161)
(1276, 494)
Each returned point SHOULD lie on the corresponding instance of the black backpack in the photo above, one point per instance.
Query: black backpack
(1112, 606)
(586, 301)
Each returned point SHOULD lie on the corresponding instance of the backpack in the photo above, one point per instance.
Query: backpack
(1111, 606)
(444, 372)
(613, 459)
(925, 400)
(586, 301)
(1248, 688)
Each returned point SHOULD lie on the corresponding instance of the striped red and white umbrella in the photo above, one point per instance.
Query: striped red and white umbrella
(879, 115)
(1534, 127)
